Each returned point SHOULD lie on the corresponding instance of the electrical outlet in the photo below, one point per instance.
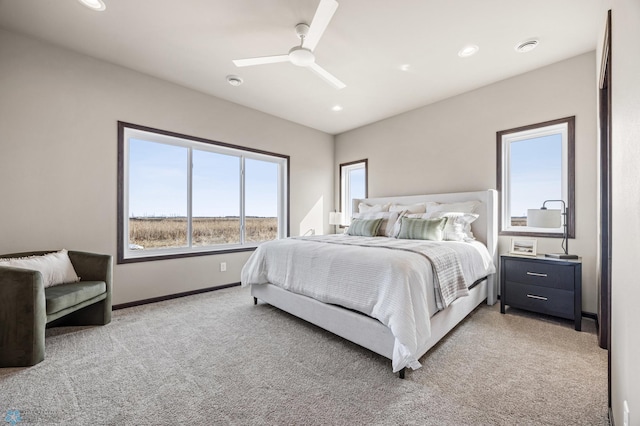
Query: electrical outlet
(625, 416)
(223, 266)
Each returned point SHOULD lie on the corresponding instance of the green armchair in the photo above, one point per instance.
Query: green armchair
(27, 307)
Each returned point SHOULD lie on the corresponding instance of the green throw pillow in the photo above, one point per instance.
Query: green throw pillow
(364, 227)
(422, 229)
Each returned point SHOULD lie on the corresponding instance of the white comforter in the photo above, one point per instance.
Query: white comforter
(393, 285)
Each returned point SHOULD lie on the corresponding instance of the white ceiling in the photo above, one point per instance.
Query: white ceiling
(192, 43)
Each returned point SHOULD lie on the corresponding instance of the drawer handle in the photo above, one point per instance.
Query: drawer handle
(537, 274)
(532, 296)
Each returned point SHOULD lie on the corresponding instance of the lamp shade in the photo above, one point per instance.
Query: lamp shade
(544, 218)
(335, 218)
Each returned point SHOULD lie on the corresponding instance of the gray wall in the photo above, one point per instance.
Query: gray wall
(58, 115)
(450, 146)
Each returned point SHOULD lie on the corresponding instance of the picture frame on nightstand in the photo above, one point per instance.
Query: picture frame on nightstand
(524, 247)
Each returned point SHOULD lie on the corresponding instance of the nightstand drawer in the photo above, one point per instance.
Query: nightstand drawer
(545, 300)
(546, 274)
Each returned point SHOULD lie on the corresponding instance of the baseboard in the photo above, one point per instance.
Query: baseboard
(611, 422)
(592, 316)
(171, 296)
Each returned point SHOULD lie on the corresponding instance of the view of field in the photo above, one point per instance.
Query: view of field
(519, 221)
(167, 232)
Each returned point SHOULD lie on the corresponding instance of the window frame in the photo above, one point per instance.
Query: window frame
(503, 137)
(345, 207)
(129, 130)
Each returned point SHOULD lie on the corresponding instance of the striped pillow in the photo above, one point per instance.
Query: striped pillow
(422, 229)
(388, 221)
(364, 227)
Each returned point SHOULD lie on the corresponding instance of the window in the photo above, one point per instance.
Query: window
(353, 184)
(535, 164)
(185, 196)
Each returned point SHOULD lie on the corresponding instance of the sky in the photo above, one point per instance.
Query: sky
(357, 183)
(158, 180)
(357, 190)
(158, 183)
(536, 173)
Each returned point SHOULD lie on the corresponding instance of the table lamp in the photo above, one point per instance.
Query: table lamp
(552, 218)
(335, 218)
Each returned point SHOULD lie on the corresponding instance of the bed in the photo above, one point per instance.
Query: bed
(385, 330)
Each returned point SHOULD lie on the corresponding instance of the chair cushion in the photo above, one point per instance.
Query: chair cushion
(66, 295)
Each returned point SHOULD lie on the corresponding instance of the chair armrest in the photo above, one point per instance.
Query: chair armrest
(19, 286)
(23, 316)
(92, 266)
(95, 267)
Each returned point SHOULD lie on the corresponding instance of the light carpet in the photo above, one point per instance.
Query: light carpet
(215, 358)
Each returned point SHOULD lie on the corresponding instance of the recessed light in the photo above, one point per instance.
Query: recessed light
(337, 108)
(527, 45)
(235, 80)
(97, 5)
(468, 50)
(405, 67)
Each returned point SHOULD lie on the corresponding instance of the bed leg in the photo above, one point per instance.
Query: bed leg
(401, 373)
(255, 300)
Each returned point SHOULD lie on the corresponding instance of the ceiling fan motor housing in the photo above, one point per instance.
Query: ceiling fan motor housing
(301, 57)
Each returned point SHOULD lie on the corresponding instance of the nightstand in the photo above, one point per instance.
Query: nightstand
(542, 284)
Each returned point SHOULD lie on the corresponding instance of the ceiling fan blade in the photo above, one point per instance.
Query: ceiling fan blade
(261, 60)
(321, 19)
(329, 78)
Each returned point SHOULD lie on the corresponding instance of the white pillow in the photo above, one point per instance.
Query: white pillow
(376, 208)
(458, 227)
(56, 268)
(388, 221)
(410, 208)
(461, 207)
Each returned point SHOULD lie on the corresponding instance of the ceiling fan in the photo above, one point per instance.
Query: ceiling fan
(302, 55)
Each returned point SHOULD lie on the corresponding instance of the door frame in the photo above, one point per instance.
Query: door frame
(605, 118)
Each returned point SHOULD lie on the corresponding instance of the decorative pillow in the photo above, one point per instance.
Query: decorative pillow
(410, 208)
(364, 227)
(458, 226)
(395, 231)
(463, 207)
(56, 268)
(388, 221)
(422, 229)
(376, 208)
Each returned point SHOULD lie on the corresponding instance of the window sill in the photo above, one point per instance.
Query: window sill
(533, 234)
(153, 257)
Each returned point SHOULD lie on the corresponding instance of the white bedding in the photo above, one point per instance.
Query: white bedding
(395, 286)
